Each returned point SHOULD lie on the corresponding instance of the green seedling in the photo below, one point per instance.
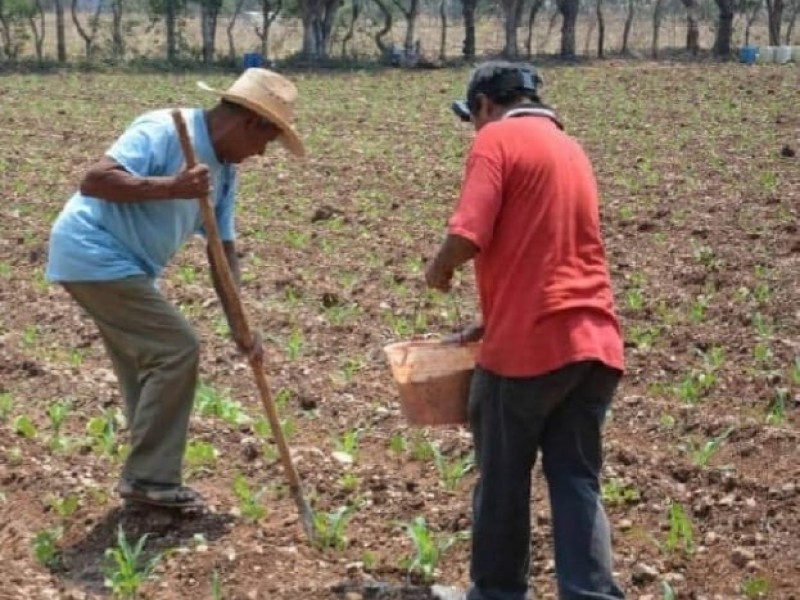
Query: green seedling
(643, 337)
(702, 456)
(680, 534)
(58, 412)
(211, 402)
(755, 587)
(45, 548)
(102, 432)
(428, 548)
(216, 586)
(200, 457)
(667, 422)
(24, 426)
(762, 353)
(250, 502)
(329, 528)
(6, 406)
(697, 312)
(348, 444)
(762, 325)
(614, 493)
(794, 374)
(422, 449)
(370, 560)
(667, 593)
(350, 367)
(398, 443)
(187, 274)
(295, 344)
(452, 472)
(64, 507)
(634, 299)
(777, 408)
(128, 569)
(76, 357)
(349, 482)
(30, 336)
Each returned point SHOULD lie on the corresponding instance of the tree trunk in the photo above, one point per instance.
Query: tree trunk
(269, 14)
(626, 32)
(751, 19)
(356, 11)
(94, 23)
(318, 18)
(172, 30)
(601, 30)
(722, 45)
(787, 40)
(658, 13)
(61, 37)
(468, 10)
(5, 31)
(511, 13)
(534, 10)
(387, 27)
(589, 34)
(411, 13)
(774, 20)
(37, 28)
(231, 24)
(569, 15)
(443, 33)
(117, 39)
(209, 16)
(692, 27)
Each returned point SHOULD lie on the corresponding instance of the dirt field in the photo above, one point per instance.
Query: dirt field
(700, 178)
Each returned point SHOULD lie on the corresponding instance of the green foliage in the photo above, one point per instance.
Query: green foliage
(200, 457)
(614, 493)
(6, 405)
(348, 443)
(451, 472)
(102, 431)
(295, 344)
(250, 501)
(428, 548)
(211, 402)
(24, 426)
(65, 506)
(45, 548)
(755, 587)
(216, 586)
(128, 569)
(422, 450)
(702, 455)
(398, 443)
(329, 528)
(777, 408)
(680, 535)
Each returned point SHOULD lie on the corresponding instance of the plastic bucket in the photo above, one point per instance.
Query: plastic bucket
(766, 54)
(748, 54)
(253, 59)
(783, 54)
(433, 380)
(796, 54)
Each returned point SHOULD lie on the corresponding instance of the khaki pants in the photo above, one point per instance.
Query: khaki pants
(155, 353)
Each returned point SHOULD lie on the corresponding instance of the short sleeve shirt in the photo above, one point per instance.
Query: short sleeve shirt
(529, 202)
(96, 240)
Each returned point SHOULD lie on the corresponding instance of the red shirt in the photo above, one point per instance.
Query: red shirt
(529, 202)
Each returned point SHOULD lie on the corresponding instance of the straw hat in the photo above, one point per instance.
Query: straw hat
(270, 95)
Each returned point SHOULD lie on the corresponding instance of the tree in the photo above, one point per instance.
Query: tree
(536, 6)
(231, 24)
(626, 31)
(94, 24)
(117, 38)
(410, 13)
(209, 15)
(658, 15)
(355, 12)
(36, 21)
(692, 27)
(722, 44)
(61, 38)
(774, 19)
(792, 20)
(512, 10)
(601, 30)
(569, 14)
(751, 18)
(468, 11)
(387, 27)
(443, 31)
(318, 18)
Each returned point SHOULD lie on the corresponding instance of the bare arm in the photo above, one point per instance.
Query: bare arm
(107, 179)
(454, 252)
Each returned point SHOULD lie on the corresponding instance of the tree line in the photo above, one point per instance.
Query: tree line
(23, 21)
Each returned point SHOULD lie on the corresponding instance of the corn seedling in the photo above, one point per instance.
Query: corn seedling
(295, 344)
(643, 337)
(614, 493)
(762, 325)
(187, 274)
(329, 528)
(422, 449)
(57, 413)
(24, 426)
(428, 548)
(398, 443)
(216, 586)
(667, 593)
(777, 409)
(45, 548)
(702, 455)
(349, 482)
(211, 402)
(794, 374)
(667, 422)
(348, 443)
(680, 535)
(755, 587)
(64, 507)
(30, 336)
(370, 560)
(634, 299)
(697, 312)
(6, 405)
(762, 354)
(102, 432)
(128, 569)
(452, 472)
(200, 458)
(250, 505)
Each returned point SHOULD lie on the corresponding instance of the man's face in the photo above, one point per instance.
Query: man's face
(485, 113)
(254, 132)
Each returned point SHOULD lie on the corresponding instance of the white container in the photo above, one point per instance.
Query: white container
(766, 55)
(783, 54)
(796, 54)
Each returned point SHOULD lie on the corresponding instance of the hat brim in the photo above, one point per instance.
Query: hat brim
(289, 136)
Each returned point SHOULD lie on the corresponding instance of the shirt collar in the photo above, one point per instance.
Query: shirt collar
(202, 141)
(534, 112)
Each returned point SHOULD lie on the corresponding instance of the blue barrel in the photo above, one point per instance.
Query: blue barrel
(253, 59)
(748, 54)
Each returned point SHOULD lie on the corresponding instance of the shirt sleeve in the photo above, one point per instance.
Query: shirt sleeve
(481, 199)
(142, 148)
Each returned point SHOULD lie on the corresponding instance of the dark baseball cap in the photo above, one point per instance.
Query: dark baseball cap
(502, 82)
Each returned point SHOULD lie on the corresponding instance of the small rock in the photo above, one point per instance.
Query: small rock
(643, 574)
(710, 538)
(342, 458)
(741, 556)
(353, 596)
(625, 525)
(788, 152)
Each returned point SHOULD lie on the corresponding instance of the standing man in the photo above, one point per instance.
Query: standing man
(135, 209)
(552, 354)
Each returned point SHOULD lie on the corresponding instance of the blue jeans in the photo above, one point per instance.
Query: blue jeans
(560, 413)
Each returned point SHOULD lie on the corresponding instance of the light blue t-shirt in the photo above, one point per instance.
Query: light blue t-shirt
(97, 240)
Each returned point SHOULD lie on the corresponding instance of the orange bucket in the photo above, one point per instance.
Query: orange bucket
(433, 380)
